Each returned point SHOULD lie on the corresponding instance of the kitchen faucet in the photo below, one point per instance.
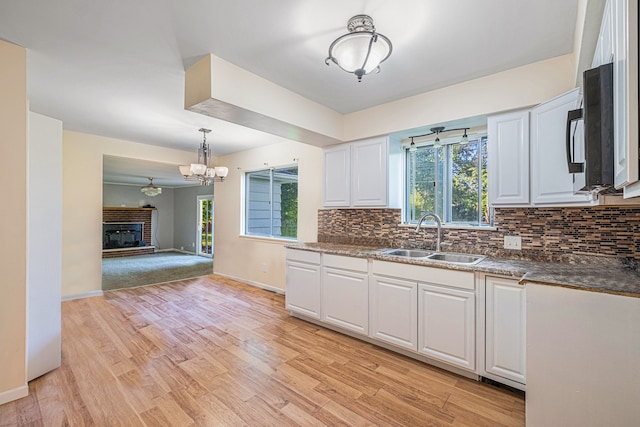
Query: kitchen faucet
(438, 225)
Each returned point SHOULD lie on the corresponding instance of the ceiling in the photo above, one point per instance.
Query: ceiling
(116, 68)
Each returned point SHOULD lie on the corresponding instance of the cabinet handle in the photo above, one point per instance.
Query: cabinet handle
(572, 116)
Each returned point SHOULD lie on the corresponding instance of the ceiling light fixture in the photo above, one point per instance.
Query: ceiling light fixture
(413, 148)
(150, 189)
(362, 50)
(437, 131)
(465, 138)
(202, 171)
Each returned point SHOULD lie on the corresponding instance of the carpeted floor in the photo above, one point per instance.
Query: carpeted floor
(162, 267)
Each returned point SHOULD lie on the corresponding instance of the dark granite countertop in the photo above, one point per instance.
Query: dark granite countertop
(602, 277)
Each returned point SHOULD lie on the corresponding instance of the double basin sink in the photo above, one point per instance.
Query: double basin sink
(453, 258)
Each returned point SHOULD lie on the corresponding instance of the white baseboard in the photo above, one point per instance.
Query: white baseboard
(252, 283)
(14, 394)
(82, 295)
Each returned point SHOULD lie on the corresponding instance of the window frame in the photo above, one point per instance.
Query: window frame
(245, 205)
(447, 176)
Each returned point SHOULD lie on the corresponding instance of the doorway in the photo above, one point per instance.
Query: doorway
(205, 226)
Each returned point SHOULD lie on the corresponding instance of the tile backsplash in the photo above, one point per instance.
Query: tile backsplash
(550, 234)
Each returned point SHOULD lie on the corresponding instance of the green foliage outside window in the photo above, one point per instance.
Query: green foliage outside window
(451, 181)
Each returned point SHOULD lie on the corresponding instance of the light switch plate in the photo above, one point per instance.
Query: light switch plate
(513, 242)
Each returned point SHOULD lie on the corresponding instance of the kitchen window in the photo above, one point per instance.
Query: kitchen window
(450, 180)
(271, 203)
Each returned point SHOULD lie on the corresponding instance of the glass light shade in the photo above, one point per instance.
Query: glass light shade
(351, 49)
(413, 148)
(464, 139)
(198, 168)
(185, 170)
(210, 173)
(151, 190)
(221, 171)
(437, 143)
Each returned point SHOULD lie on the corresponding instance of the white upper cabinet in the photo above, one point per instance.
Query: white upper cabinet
(604, 48)
(508, 151)
(337, 177)
(624, 22)
(363, 173)
(551, 182)
(369, 172)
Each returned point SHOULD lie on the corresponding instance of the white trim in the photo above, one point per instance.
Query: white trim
(268, 239)
(14, 394)
(82, 295)
(252, 283)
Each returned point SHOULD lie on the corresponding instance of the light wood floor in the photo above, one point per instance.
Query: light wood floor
(211, 351)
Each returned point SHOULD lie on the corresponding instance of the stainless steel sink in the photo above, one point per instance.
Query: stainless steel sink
(407, 253)
(456, 258)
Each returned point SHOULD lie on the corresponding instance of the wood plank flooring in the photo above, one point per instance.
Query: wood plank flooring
(213, 352)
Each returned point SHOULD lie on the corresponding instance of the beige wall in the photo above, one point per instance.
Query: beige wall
(511, 89)
(244, 257)
(82, 202)
(13, 223)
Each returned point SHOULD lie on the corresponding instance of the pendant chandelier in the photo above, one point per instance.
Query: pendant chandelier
(150, 189)
(202, 171)
(362, 50)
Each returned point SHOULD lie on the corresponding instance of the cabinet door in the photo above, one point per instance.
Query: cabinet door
(393, 311)
(446, 325)
(345, 299)
(604, 48)
(336, 188)
(505, 334)
(625, 91)
(508, 151)
(551, 182)
(303, 288)
(369, 172)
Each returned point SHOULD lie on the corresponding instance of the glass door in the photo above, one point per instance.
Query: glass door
(205, 226)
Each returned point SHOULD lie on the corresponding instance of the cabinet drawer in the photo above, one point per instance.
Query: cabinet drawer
(419, 273)
(303, 256)
(345, 262)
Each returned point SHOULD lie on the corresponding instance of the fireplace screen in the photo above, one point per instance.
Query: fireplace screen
(117, 235)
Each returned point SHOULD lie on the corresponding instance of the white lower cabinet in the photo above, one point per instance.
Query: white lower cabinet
(345, 293)
(505, 332)
(425, 310)
(393, 307)
(303, 282)
(446, 325)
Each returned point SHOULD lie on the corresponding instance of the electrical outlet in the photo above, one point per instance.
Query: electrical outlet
(193, 244)
(264, 267)
(513, 242)
(182, 248)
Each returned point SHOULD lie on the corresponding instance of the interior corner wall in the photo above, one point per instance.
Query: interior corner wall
(117, 195)
(82, 202)
(185, 216)
(256, 260)
(515, 88)
(13, 227)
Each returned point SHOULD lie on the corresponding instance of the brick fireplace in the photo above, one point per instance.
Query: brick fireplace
(129, 220)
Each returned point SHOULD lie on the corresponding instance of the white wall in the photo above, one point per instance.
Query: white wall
(44, 257)
(82, 202)
(511, 89)
(116, 195)
(244, 257)
(13, 224)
